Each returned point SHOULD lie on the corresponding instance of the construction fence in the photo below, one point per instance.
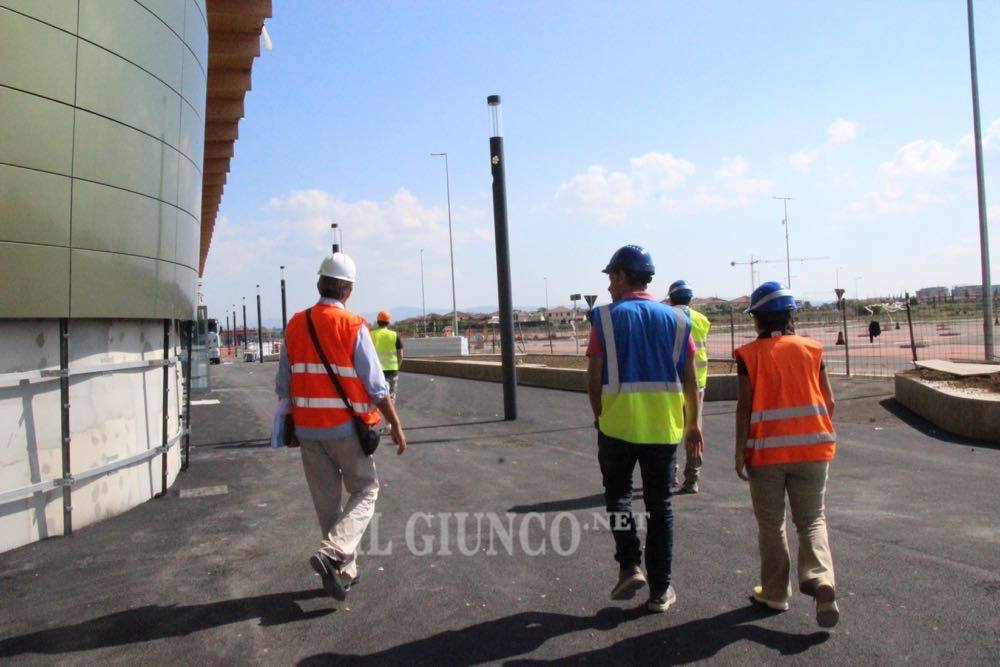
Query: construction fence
(853, 345)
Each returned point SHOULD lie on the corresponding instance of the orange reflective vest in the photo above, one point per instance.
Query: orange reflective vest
(315, 400)
(789, 422)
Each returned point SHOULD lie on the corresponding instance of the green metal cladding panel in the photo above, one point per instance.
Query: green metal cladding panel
(127, 28)
(35, 132)
(117, 89)
(58, 13)
(50, 69)
(101, 146)
(34, 206)
(196, 33)
(35, 280)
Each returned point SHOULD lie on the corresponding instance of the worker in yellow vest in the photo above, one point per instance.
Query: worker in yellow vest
(680, 294)
(389, 346)
(640, 375)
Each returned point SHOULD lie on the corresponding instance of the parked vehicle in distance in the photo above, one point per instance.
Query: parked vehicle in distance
(212, 345)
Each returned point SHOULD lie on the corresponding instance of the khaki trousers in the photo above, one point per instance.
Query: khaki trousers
(692, 466)
(330, 466)
(805, 484)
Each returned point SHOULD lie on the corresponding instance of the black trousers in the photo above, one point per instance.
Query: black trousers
(656, 465)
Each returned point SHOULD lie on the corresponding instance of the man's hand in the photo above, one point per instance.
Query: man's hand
(741, 467)
(693, 442)
(399, 438)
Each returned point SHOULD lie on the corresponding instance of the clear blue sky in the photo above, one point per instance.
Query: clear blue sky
(671, 125)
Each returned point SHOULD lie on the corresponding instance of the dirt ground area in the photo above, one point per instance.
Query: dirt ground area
(979, 384)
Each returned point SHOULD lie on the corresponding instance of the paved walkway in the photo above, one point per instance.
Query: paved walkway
(216, 572)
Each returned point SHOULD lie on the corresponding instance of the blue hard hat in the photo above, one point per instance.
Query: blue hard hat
(632, 258)
(680, 289)
(771, 297)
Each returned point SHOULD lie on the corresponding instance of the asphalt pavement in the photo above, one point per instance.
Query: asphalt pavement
(217, 572)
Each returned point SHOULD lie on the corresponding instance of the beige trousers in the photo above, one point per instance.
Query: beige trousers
(805, 484)
(330, 466)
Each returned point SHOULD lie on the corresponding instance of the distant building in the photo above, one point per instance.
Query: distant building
(932, 294)
(564, 315)
(972, 292)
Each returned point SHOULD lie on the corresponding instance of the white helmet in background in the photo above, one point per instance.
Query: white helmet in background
(339, 266)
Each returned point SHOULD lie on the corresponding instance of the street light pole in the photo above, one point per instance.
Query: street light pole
(504, 294)
(260, 332)
(451, 246)
(244, 324)
(984, 235)
(337, 244)
(284, 309)
(548, 316)
(788, 261)
(423, 295)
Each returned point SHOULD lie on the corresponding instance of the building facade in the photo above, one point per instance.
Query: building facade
(972, 292)
(932, 294)
(102, 236)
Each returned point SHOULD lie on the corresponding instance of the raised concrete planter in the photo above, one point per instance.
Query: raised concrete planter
(720, 387)
(973, 417)
(440, 346)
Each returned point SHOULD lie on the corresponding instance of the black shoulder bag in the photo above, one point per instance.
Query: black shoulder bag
(367, 436)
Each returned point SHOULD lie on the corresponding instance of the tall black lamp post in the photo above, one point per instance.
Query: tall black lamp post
(503, 261)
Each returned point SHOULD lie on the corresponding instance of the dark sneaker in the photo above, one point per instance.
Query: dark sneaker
(659, 603)
(329, 571)
(687, 489)
(630, 581)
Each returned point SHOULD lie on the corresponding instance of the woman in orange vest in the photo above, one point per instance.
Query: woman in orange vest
(784, 444)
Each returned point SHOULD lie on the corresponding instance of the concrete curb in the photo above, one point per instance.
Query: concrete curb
(720, 387)
(966, 416)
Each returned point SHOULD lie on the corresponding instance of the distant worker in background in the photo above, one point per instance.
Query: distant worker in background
(332, 456)
(640, 373)
(784, 444)
(874, 330)
(389, 346)
(680, 295)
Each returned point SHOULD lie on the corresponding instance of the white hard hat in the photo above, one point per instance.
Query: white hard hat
(340, 266)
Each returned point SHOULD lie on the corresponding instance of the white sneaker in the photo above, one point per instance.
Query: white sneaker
(758, 596)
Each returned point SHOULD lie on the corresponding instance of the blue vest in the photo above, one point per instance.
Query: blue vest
(645, 347)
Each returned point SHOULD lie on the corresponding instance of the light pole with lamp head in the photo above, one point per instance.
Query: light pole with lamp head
(788, 261)
(451, 246)
(284, 308)
(505, 298)
(423, 295)
(260, 331)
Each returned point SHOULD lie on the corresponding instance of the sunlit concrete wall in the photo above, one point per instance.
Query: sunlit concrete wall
(102, 106)
(112, 417)
(102, 128)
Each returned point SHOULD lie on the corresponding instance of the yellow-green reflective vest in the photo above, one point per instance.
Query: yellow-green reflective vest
(385, 344)
(699, 332)
(644, 343)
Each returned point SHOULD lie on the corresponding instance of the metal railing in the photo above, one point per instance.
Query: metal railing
(68, 479)
(73, 479)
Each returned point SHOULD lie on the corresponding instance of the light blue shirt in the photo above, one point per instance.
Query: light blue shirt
(366, 365)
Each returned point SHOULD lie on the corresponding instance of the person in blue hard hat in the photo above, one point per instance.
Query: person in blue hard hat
(640, 375)
(680, 294)
(784, 444)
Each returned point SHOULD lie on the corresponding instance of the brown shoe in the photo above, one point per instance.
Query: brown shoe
(827, 611)
(630, 581)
